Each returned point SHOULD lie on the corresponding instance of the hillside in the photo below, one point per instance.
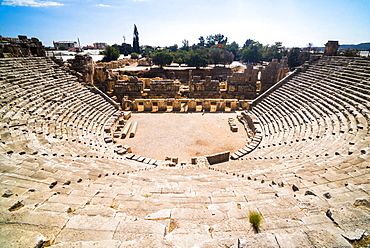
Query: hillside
(361, 46)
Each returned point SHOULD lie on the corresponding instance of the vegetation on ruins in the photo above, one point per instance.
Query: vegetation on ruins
(110, 53)
(351, 52)
(162, 58)
(255, 219)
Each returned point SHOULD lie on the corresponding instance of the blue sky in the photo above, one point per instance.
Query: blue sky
(168, 22)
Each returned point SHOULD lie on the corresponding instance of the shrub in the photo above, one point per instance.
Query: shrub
(110, 53)
(255, 219)
(134, 56)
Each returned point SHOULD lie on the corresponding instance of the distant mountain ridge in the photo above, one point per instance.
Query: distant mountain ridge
(361, 46)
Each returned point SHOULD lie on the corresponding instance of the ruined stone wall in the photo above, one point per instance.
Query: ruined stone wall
(130, 88)
(85, 66)
(164, 88)
(331, 48)
(183, 75)
(218, 82)
(21, 47)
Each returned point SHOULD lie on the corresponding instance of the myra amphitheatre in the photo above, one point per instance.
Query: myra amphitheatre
(91, 157)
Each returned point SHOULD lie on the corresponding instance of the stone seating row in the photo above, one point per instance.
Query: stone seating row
(79, 103)
(341, 117)
(61, 194)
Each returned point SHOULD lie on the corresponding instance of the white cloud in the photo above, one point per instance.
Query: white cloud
(30, 3)
(102, 5)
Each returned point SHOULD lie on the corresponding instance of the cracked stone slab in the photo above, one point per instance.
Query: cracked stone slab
(87, 228)
(130, 230)
(266, 240)
(219, 243)
(160, 215)
(18, 238)
(89, 244)
(49, 220)
(293, 240)
(94, 210)
(324, 238)
(353, 222)
(97, 223)
(188, 238)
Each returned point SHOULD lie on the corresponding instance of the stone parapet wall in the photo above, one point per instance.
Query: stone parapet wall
(218, 157)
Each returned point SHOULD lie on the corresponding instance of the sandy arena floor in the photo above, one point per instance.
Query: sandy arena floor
(184, 135)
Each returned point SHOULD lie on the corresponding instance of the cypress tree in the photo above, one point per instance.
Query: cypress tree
(136, 47)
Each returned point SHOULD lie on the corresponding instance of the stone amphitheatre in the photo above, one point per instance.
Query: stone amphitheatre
(71, 175)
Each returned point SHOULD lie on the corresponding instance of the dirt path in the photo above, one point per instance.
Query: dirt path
(184, 135)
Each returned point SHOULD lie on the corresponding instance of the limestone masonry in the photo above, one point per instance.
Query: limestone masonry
(70, 179)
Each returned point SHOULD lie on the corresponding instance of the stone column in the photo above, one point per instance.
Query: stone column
(134, 106)
(206, 105)
(243, 104)
(234, 105)
(220, 105)
(192, 105)
(176, 105)
(162, 105)
(148, 106)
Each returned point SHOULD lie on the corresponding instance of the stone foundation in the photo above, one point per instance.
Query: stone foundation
(185, 105)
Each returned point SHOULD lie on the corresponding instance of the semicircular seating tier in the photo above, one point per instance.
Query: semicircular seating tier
(63, 186)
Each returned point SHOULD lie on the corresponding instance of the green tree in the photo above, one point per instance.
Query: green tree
(220, 39)
(216, 40)
(221, 56)
(185, 45)
(253, 52)
(181, 56)
(198, 57)
(173, 48)
(134, 55)
(297, 57)
(125, 49)
(247, 43)
(276, 51)
(234, 49)
(293, 57)
(162, 58)
(202, 42)
(135, 43)
(228, 58)
(110, 53)
(148, 52)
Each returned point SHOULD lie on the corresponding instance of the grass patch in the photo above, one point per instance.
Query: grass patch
(70, 210)
(114, 207)
(147, 195)
(255, 219)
